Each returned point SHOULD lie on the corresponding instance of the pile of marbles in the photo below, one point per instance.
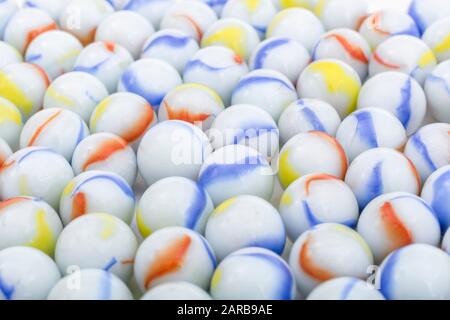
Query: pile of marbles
(240, 149)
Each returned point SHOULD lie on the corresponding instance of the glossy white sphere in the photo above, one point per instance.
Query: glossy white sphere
(59, 129)
(429, 148)
(406, 274)
(97, 241)
(9, 54)
(176, 291)
(328, 251)
(386, 23)
(173, 46)
(150, 78)
(266, 89)
(346, 45)
(26, 274)
(248, 125)
(54, 51)
(25, 25)
(174, 254)
(314, 199)
(193, 103)
(7, 10)
(258, 14)
(281, 54)
(296, 23)
(153, 11)
(97, 191)
(192, 17)
(253, 274)
(11, 123)
(342, 13)
(127, 29)
(37, 172)
(90, 284)
(218, 68)
(5, 151)
(436, 192)
(345, 288)
(395, 220)
(104, 60)
(403, 53)
(436, 37)
(332, 81)
(27, 221)
(306, 115)
(402, 96)
(437, 90)
(52, 7)
(236, 170)
(79, 92)
(232, 33)
(24, 84)
(311, 152)
(226, 232)
(125, 114)
(90, 13)
(381, 170)
(173, 201)
(172, 148)
(370, 128)
(106, 152)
